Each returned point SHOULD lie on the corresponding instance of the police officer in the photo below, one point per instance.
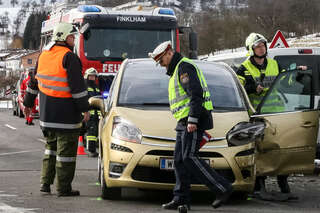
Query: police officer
(92, 125)
(190, 104)
(256, 74)
(63, 98)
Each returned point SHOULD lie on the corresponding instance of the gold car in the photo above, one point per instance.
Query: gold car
(137, 136)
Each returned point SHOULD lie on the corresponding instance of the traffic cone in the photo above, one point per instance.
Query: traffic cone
(80, 146)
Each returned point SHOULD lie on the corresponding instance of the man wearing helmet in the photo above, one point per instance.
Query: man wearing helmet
(63, 98)
(191, 105)
(92, 125)
(256, 74)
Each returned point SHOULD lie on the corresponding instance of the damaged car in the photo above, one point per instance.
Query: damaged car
(137, 136)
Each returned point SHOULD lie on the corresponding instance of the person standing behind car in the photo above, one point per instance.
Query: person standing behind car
(190, 104)
(23, 89)
(63, 97)
(92, 125)
(256, 74)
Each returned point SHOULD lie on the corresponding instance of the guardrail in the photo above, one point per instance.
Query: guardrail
(6, 104)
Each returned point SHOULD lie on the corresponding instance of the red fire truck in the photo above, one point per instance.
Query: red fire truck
(108, 36)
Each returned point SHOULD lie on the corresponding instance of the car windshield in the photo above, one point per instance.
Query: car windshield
(118, 44)
(147, 84)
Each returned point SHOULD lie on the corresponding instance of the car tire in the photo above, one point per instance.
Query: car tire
(106, 192)
(240, 195)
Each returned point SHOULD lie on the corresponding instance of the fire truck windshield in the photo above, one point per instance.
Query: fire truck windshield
(118, 44)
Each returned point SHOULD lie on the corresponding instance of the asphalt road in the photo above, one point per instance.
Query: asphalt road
(21, 150)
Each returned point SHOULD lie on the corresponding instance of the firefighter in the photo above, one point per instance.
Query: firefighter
(63, 98)
(190, 104)
(256, 74)
(92, 125)
(23, 89)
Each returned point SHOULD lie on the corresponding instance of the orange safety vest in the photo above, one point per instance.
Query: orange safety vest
(51, 75)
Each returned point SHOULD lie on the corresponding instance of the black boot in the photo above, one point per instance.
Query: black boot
(45, 188)
(283, 183)
(222, 199)
(69, 193)
(93, 154)
(183, 208)
(173, 205)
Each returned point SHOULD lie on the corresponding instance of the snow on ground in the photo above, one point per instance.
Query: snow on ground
(312, 40)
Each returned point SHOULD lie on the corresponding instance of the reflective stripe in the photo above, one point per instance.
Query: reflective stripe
(177, 109)
(66, 159)
(176, 100)
(80, 94)
(56, 88)
(50, 152)
(60, 125)
(201, 167)
(192, 119)
(52, 78)
(91, 138)
(34, 92)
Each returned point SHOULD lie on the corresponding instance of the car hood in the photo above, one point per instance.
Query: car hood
(161, 123)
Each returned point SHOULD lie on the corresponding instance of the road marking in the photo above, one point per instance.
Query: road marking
(7, 195)
(41, 140)
(11, 127)
(13, 153)
(9, 209)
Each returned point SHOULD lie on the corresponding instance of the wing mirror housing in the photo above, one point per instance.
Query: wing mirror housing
(246, 132)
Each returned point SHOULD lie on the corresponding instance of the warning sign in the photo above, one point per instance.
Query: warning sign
(278, 41)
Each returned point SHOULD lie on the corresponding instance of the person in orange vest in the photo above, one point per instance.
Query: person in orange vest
(63, 97)
(23, 88)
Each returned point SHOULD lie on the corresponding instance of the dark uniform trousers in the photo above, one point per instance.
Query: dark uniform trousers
(60, 158)
(187, 163)
(92, 131)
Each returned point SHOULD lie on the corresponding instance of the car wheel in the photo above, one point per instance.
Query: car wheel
(240, 195)
(106, 192)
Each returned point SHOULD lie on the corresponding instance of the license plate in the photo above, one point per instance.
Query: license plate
(168, 163)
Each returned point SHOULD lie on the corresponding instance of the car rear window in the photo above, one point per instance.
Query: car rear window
(147, 84)
(289, 62)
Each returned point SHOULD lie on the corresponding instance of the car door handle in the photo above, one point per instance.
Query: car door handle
(308, 124)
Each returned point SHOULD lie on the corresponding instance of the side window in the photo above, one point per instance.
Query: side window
(292, 91)
(108, 102)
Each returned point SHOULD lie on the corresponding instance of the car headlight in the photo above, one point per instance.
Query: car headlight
(126, 131)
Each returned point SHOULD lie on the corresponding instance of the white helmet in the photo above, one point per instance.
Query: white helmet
(90, 71)
(160, 51)
(62, 30)
(253, 40)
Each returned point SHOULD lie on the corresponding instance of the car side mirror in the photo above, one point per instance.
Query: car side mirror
(97, 102)
(245, 132)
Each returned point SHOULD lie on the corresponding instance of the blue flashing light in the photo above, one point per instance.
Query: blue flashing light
(88, 9)
(105, 94)
(166, 11)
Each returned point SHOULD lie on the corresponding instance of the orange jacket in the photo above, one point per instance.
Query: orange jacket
(51, 75)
